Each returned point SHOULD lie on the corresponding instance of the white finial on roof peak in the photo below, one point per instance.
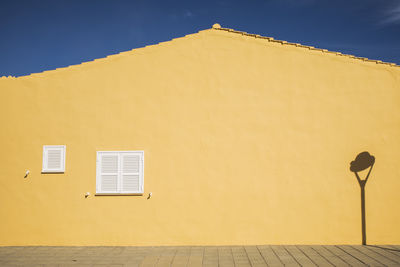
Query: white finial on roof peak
(216, 26)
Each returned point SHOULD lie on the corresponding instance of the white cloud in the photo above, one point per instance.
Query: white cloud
(188, 14)
(392, 15)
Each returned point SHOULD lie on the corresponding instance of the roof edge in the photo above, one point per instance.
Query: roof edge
(216, 27)
(107, 57)
(271, 39)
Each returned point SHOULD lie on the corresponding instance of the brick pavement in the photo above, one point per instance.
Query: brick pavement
(290, 255)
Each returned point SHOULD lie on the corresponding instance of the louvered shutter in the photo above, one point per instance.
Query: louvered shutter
(53, 159)
(108, 165)
(119, 172)
(131, 169)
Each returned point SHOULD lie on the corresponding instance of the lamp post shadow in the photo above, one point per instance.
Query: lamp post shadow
(362, 162)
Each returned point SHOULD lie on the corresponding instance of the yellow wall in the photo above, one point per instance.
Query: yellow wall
(246, 140)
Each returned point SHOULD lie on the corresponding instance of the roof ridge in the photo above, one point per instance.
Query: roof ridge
(271, 39)
(214, 27)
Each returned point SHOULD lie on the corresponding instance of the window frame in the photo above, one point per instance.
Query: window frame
(45, 168)
(119, 192)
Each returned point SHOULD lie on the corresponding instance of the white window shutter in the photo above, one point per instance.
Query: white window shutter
(53, 159)
(119, 172)
(108, 172)
(130, 172)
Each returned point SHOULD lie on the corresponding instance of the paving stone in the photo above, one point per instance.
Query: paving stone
(284, 256)
(345, 256)
(386, 253)
(225, 257)
(314, 256)
(196, 257)
(181, 257)
(329, 256)
(269, 256)
(376, 256)
(299, 256)
(240, 256)
(255, 256)
(362, 257)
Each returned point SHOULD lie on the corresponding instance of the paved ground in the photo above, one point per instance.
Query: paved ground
(202, 256)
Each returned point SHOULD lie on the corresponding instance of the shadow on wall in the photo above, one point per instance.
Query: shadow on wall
(362, 162)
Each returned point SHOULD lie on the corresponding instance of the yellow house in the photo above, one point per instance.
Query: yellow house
(216, 138)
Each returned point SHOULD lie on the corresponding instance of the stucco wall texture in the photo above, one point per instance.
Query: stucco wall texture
(246, 141)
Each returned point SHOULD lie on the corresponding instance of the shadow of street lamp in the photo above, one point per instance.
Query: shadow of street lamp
(362, 162)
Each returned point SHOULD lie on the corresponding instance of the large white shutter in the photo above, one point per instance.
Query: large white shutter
(53, 159)
(119, 172)
(108, 172)
(132, 164)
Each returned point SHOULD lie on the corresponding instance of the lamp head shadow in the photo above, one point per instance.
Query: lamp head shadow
(363, 161)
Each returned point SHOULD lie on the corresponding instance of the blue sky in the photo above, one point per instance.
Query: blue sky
(44, 35)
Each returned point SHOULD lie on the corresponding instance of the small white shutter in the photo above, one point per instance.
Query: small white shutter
(131, 172)
(53, 159)
(108, 172)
